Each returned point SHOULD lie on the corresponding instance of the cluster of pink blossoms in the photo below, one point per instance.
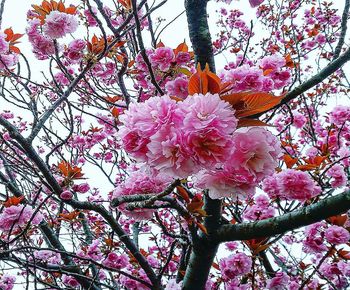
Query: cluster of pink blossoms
(58, 24)
(270, 74)
(291, 184)
(8, 59)
(17, 217)
(235, 265)
(162, 60)
(141, 181)
(179, 138)
(254, 156)
(7, 282)
(42, 46)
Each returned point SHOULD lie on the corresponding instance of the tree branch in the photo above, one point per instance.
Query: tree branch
(332, 67)
(265, 228)
(197, 20)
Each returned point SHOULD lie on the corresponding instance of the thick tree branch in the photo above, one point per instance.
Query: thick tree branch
(204, 250)
(344, 27)
(265, 228)
(197, 20)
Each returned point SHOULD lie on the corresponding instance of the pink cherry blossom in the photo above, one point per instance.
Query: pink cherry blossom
(339, 115)
(314, 238)
(255, 3)
(42, 46)
(141, 181)
(280, 280)
(257, 150)
(4, 45)
(261, 209)
(116, 261)
(178, 87)
(162, 57)
(7, 282)
(272, 62)
(58, 24)
(17, 217)
(337, 235)
(70, 281)
(235, 265)
(226, 182)
(295, 185)
(337, 173)
(66, 195)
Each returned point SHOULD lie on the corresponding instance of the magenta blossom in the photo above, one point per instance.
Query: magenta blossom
(58, 24)
(337, 235)
(17, 217)
(235, 265)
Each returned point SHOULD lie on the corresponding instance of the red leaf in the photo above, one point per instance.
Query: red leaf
(203, 82)
(13, 200)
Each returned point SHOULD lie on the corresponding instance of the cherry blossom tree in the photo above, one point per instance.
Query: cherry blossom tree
(126, 163)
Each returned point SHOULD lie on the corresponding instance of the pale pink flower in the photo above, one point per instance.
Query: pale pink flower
(17, 217)
(337, 235)
(296, 185)
(66, 195)
(116, 261)
(172, 285)
(226, 182)
(58, 24)
(7, 61)
(255, 3)
(168, 153)
(339, 115)
(235, 265)
(270, 186)
(182, 57)
(178, 87)
(280, 79)
(143, 120)
(314, 238)
(4, 45)
(272, 62)
(337, 173)
(141, 181)
(208, 126)
(91, 21)
(278, 282)
(162, 57)
(299, 120)
(42, 46)
(261, 209)
(70, 281)
(7, 282)
(257, 150)
(81, 188)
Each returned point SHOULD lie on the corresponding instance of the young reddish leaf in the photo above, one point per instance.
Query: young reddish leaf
(345, 255)
(290, 161)
(257, 103)
(338, 220)
(183, 193)
(160, 44)
(203, 82)
(215, 266)
(260, 248)
(69, 216)
(202, 228)
(13, 200)
(182, 47)
(250, 123)
(71, 172)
